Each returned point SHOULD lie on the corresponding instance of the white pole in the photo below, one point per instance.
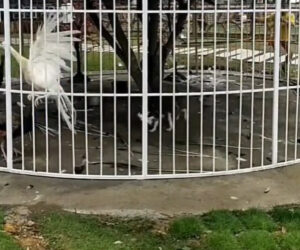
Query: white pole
(276, 82)
(145, 89)
(8, 85)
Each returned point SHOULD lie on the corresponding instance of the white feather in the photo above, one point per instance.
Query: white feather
(49, 54)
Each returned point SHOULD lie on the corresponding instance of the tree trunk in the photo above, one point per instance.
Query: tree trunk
(156, 65)
(120, 43)
(78, 56)
(79, 77)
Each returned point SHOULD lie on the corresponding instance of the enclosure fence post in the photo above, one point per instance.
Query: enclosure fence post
(8, 83)
(145, 90)
(276, 82)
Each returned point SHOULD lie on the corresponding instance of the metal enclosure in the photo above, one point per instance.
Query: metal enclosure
(167, 89)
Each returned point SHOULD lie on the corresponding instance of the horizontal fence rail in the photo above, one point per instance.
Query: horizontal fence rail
(148, 89)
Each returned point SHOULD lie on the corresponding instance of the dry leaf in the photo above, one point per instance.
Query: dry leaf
(9, 228)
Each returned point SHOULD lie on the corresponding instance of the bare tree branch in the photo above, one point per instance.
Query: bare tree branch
(153, 27)
(120, 43)
(181, 21)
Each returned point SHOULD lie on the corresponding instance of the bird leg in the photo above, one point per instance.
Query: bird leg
(17, 152)
(30, 97)
(3, 150)
(155, 125)
(170, 122)
(39, 98)
(184, 111)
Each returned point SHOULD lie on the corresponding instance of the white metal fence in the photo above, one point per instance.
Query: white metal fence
(166, 89)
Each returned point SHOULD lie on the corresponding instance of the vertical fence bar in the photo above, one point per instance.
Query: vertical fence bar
(252, 83)
(32, 92)
(287, 75)
(264, 91)
(60, 107)
(173, 93)
(297, 93)
(201, 87)
(188, 88)
(145, 90)
(21, 48)
(276, 83)
(129, 86)
(241, 89)
(160, 84)
(46, 98)
(85, 88)
(8, 84)
(101, 45)
(115, 88)
(214, 90)
(227, 85)
(72, 84)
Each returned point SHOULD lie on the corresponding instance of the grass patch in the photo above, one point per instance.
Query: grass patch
(93, 62)
(287, 217)
(290, 241)
(257, 220)
(6, 241)
(221, 241)
(188, 227)
(257, 240)
(223, 221)
(73, 231)
(217, 230)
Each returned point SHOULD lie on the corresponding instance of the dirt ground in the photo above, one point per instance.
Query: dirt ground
(155, 198)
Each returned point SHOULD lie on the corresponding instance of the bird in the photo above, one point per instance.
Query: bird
(2, 70)
(48, 57)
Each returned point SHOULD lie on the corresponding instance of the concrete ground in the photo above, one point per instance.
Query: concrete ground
(155, 198)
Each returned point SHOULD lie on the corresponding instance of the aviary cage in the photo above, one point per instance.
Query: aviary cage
(160, 88)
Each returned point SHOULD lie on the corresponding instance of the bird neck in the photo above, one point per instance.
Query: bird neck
(20, 59)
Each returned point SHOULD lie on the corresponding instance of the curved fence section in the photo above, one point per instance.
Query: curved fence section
(148, 89)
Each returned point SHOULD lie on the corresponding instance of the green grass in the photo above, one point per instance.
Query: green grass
(254, 219)
(223, 221)
(73, 231)
(217, 230)
(93, 62)
(288, 218)
(6, 241)
(93, 59)
(220, 241)
(257, 240)
(189, 227)
(290, 241)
